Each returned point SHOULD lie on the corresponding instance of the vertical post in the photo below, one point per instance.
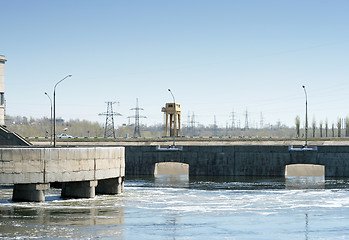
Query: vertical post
(54, 110)
(166, 124)
(51, 124)
(179, 125)
(306, 118)
(171, 125)
(175, 122)
(174, 130)
(54, 116)
(50, 118)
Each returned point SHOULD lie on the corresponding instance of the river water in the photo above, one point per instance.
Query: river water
(182, 208)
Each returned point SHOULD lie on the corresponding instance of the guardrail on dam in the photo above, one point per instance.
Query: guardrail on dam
(82, 171)
(238, 160)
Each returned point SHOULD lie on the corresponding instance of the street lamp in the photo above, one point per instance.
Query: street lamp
(54, 110)
(174, 119)
(306, 117)
(50, 118)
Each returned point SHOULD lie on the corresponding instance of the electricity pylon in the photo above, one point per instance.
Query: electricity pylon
(137, 131)
(109, 130)
(246, 120)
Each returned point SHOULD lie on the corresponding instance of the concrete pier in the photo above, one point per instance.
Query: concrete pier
(82, 189)
(110, 186)
(81, 170)
(29, 192)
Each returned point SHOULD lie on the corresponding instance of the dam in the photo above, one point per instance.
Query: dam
(85, 171)
(264, 161)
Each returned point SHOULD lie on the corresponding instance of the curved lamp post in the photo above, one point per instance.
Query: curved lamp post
(54, 110)
(50, 118)
(174, 120)
(306, 117)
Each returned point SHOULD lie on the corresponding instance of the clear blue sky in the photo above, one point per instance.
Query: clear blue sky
(216, 56)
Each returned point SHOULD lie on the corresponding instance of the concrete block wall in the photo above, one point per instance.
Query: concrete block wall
(238, 160)
(335, 159)
(110, 163)
(69, 164)
(21, 165)
(47, 165)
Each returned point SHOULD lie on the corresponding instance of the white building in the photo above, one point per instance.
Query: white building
(2, 90)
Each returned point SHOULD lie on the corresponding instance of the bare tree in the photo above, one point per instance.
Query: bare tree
(347, 126)
(314, 127)
(298, 124)
(326, 128)
(339, 126)
(321, 129)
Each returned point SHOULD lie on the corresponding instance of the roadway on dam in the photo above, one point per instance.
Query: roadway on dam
(190, 142)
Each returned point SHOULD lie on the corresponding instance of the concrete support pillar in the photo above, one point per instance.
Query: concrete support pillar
(121, 185)
(83, 189)
(33, 192)
(110, 186)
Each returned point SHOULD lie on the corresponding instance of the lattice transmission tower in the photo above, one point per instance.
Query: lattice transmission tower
(192, 124)
(215, 127)
(233, 119)
(137, 131)
(109, 130)
(246, 120)
(261, 124)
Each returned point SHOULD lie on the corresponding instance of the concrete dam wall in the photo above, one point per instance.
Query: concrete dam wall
(238, 160)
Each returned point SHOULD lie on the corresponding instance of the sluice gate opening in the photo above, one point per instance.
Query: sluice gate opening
(171, 173)
(302, 176)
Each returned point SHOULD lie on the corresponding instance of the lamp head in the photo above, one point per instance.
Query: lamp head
(303, 86)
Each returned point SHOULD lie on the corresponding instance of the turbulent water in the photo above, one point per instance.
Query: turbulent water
(182, 208)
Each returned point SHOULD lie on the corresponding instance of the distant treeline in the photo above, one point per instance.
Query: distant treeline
(82, 128)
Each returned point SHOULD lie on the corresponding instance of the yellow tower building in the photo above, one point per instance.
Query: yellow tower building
(173, 112)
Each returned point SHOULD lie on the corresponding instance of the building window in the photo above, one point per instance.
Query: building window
(2, 99)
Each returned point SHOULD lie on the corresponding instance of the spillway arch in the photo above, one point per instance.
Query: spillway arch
(171, 168)
(304, 170)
